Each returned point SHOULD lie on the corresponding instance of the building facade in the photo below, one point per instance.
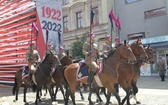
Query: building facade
(139, 19)
(148, 20)
(76, 19)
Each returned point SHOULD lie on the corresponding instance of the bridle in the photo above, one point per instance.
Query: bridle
(141, 53)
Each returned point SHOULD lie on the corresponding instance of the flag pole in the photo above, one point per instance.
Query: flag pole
(111, 31)
(46, 38)
(90, 44)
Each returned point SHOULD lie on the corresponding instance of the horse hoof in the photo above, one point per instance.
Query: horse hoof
(101, 103)
(26, 103)
(91, 103)
(40, 100)
(14, 100)
(54, 103)
(97, 100)
(82, 98)
(138, 102)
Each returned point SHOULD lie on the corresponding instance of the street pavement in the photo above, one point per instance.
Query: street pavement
(151, 92)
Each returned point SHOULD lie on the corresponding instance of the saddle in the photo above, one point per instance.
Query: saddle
(83, 70)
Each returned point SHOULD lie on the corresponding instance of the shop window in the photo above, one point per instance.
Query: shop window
(155, 12)
(136, 36)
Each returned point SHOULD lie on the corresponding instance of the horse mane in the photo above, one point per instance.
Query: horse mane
(111, 52)
(45, 58)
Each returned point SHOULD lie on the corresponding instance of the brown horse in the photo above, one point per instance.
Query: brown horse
(42, 72)
(42, 75)
(108, 76)
(136, 68)
(126, 71)
(18, 82)
(58, 74)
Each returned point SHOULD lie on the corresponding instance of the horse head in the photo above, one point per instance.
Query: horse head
(139, 50)
(66, 60)
(126, 53)
(52, 60)
(150, 53)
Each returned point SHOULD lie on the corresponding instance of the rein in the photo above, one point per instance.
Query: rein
(43, 73)
(48, 65)
(141, 53)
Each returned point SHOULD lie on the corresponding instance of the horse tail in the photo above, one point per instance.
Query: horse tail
(15, 85)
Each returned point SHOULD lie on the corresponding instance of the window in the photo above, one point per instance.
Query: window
(65, 24)
(96, 16)
(136, 35)
(131, 1)
(79, 20)
(65, 2)
(155, 12)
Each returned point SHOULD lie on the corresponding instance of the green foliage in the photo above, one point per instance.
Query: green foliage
(76, 47)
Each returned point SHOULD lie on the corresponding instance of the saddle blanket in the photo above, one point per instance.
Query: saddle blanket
(83, 71)
(25, 72)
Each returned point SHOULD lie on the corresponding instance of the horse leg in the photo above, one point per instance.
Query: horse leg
(98, 96)
(45, 94)
(51, 94)
(89, 97)
(82, 97)
(37, 95)
(67, 95)
(17, 85)
(135, 91)
(62, 91)
(56, 90)
(25, 91)
(126, 97)
(72, 93)
(111, 89)
(108, 98)
(116, 87)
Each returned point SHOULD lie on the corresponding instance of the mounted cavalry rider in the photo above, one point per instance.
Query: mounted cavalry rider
(107, 46)
(117, 42)
(61, 52)
(33, 58)
(91, 53)
(50, 50)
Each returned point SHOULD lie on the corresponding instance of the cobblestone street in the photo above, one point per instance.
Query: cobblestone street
(151, 92)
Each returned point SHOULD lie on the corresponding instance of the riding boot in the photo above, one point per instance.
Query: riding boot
(90, 79)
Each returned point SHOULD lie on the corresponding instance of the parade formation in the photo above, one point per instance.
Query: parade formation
(47, 65)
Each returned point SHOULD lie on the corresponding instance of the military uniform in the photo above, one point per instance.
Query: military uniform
(90, 59)
(106, 48)
(61, 54)
(33, 57)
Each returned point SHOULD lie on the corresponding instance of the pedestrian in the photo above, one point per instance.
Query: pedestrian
(33, 58)
(161, 68)
(107, 46)
(91, 53)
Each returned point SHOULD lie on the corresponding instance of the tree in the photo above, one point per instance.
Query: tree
(76, 47)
